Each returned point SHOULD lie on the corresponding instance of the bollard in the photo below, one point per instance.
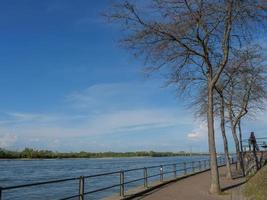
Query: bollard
(81, 188)
(122, 183)
(185, 170)
(145, 178)
(174, 170)
(161, 173)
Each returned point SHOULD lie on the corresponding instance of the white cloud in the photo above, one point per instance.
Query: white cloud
(117, 96)
(130, 120)
(25, 117)
(7, 140)
(106, 123)
(200, 132)
(100, 110)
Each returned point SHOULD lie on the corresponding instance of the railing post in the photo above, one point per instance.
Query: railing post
(185, 169)
(193, 166)
(199, 162)
(122, 183)
(81, 188)
(161, 173)
(145, 178)
(174, 170)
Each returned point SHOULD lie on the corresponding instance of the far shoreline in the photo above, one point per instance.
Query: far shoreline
(133, 157)
(31, 154)
(99, 158)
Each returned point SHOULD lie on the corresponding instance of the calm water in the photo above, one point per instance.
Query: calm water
(15, 172)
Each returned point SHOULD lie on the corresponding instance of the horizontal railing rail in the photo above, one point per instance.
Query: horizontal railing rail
(261, 144)
(185, 167)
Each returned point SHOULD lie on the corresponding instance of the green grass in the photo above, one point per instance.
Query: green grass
(256, 187)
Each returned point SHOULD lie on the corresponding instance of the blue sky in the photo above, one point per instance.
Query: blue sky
(67, 85)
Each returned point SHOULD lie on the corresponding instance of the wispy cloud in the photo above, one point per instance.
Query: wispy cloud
(130, 120)
(29, 117)
(98, 111)
(200, 131)
(7, 140)
(105, 123)
(115, 96)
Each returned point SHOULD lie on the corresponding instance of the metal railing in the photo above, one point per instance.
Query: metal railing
(254, 154)
(261, 144)
(185, 168)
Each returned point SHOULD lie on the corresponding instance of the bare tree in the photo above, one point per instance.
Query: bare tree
(219, 109)
(220, 91)
(246, 92)
(200, 105)
(191, 41)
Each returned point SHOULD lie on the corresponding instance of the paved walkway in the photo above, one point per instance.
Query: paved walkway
(197, 187)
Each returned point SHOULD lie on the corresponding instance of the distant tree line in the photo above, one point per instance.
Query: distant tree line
(29, 153)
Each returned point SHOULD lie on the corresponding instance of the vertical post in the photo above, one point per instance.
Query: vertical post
(199, 162)
(122, 183)
(193, 166)
(81, 188)
(161, 173)
(185, 169)
(145, 177)
(174, 170)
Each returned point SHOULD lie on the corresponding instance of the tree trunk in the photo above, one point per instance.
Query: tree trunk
(236, 141)
(215, 184)
(225, 142)
(241, 147)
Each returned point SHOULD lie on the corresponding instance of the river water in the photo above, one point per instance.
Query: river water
(16, 172)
